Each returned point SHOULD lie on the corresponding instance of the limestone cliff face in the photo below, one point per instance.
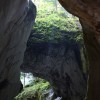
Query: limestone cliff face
(88, 12)
(16, 20)
(13, 17)
(60, 64)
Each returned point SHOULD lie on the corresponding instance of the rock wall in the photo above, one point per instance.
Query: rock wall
(16, 20)
(60, 64)
(13, 36)
(88, 12)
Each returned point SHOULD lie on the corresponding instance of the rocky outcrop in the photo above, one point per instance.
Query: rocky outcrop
(88, 12)
(60, 64)
(16, 20)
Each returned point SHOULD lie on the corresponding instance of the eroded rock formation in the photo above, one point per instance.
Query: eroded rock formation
(60, 64)
(12, 19)
(16, 20)
(88, 12)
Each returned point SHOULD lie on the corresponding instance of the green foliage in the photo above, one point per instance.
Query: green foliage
(53, 25)
(35, 91)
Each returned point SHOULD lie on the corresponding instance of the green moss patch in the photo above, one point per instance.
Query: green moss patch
(34, 92)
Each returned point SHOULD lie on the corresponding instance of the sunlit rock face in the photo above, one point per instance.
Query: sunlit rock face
(16, 20)
(58, 63)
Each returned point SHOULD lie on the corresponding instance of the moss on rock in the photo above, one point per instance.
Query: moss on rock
(34, 92)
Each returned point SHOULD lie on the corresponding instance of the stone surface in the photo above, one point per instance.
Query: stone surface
(16, 20)
(12, 14)
(60, 64)
(88, 12)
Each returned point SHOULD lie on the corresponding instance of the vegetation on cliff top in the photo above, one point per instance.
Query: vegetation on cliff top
(55, 24)
(51, 25)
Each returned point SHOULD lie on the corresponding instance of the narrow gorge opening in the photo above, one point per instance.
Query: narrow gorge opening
(57, 50)
(54, 53)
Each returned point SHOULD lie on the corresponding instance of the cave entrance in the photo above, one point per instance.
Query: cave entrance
(53, 27)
